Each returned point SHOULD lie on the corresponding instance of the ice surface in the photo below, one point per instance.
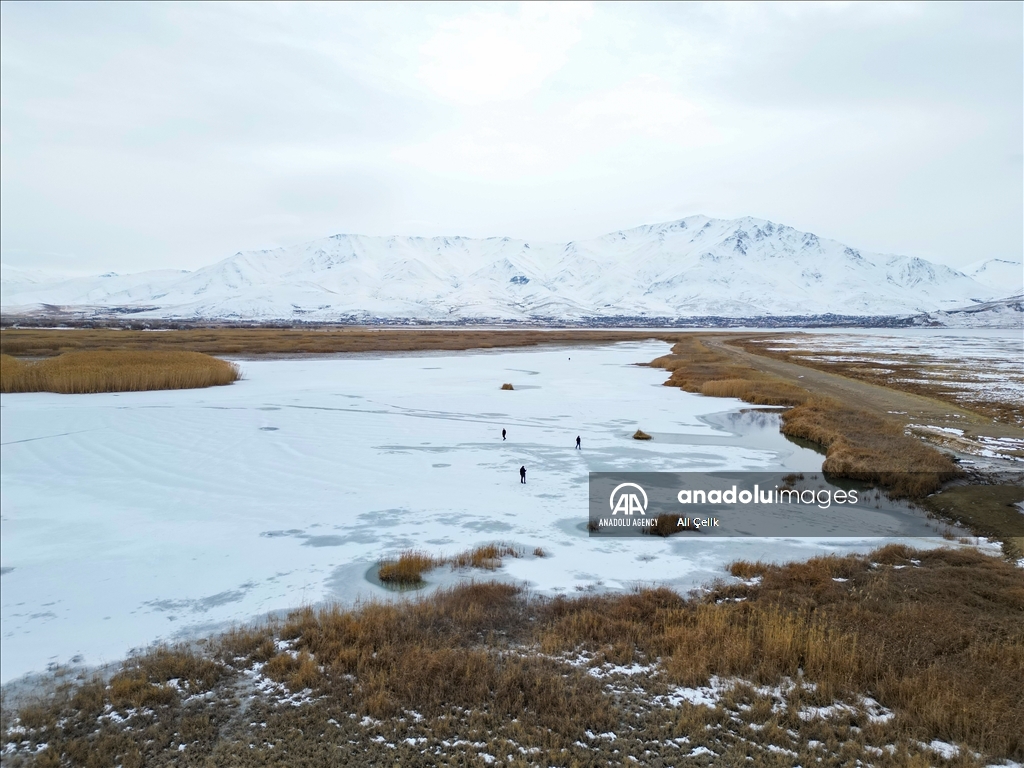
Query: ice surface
(132, 517)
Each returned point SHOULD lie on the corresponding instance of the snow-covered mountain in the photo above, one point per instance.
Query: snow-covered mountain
(1002, 275)
(1003, 313)
(741, 268)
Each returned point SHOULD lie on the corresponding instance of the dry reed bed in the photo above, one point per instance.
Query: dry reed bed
(115, 371)
(695, 367)
(859, 444)
(26, 342)
(408, 568)
(862, 446)
(958, 680)
(934, 636)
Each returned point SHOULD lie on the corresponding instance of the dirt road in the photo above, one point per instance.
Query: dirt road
(904, 406)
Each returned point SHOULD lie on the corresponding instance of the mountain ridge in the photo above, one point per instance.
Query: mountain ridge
(695, 266)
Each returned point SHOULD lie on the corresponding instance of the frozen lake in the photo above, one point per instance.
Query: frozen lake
(128, 518)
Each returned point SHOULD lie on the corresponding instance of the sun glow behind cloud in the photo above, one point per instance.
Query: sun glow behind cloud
(491, 56)
(173, 135)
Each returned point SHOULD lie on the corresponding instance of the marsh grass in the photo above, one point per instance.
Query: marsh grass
(115, 371)
(408, 568)
(935, 636)
(695, 367)
(507, 387)
(641, 435)
(487, 557)
(862, 446)
(961, 608)
(33, 342)
(858, 444)
(744, 569)
(758, 392)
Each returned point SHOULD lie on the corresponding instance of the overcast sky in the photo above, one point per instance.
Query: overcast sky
(137, 136)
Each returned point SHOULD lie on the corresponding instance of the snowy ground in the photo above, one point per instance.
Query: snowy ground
(982, 364)
(133, 517)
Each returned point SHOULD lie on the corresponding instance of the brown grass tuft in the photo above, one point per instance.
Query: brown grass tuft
(757, 392)
(506, 386)
(487, 557)
(181, 664)
(11, 368)
(144, 680)
(298, 671)
(115, 371)
(253, 643)
(408, 568)
(744, 569)
(641, 435)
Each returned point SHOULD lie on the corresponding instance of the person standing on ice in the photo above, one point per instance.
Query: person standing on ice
(503, 434)
(522, 474)
(578, 443)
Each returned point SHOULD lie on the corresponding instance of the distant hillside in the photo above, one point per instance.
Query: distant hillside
(694, 267)
(1004, 313)
(1004, 276)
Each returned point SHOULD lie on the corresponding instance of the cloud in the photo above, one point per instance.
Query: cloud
(143, 135)
(645, 107)
(490, 56)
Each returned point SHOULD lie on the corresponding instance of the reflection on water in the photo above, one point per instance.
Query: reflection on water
(753, 428)
(809, 445)
(762, 423)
